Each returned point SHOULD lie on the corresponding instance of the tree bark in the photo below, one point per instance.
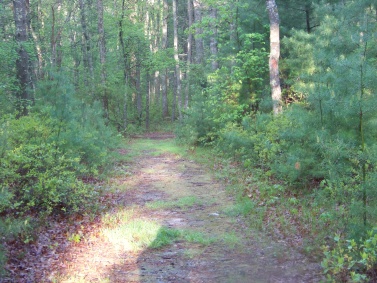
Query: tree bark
(21, 12)
(139, 103)
(147, 100)
(199, 46)
(87, 56)
(274, 56)
(213, 39)
(164, 86)
(125, 60)
(189, 51)
(102, 54)
(178, 75)
(164, 74)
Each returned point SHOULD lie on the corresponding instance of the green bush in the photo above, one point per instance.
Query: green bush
(41, 177)
(351, 261)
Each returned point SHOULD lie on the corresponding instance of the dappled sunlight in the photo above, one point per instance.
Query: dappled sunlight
(167, 219)
(133, 236)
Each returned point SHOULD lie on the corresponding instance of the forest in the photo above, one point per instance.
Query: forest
(283, 93)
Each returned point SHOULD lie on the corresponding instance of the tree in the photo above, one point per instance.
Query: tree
(102, 53)
(189, 50)
(24, 71)
(274, 56)
(213, 39)
(86, 47)
(178, 74)
(164, 46)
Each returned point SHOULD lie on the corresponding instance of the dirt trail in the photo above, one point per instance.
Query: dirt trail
(222, 248)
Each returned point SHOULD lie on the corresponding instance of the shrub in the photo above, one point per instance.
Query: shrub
(351, 261)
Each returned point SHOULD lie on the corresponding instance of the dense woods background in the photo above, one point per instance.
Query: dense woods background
(76, 74)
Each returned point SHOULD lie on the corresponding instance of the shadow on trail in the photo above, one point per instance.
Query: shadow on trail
(169, 253)
(157, 265)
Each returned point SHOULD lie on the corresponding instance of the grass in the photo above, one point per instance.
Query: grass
(134, 235)
(230, 239)
(113, 219)
(244, 207)
(197, 237)
(184, 202)
(155, 147)
(141, 234)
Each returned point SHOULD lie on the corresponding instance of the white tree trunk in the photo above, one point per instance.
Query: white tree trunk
(274, 56)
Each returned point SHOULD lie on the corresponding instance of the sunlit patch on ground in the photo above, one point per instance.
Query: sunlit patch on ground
(167, 220)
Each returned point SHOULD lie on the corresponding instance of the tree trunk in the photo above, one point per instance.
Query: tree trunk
(199, 46)
(189, 51)
(164, 45)
(102, 54)
(274, 56)
(165, 108)
(139, 104)
(213, 39)
(56, 35)
(86, 49)
(157, 86)
(76, 59)
(147, 100)
(125, 66)
(178, 76)
(21, 12)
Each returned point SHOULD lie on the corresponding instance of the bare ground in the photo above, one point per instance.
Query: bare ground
(235, 253)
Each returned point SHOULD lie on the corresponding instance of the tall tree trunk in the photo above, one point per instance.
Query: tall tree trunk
(274, 56)
(164, 74)
(189, 51)
(87, 56)
(157, 86)
(199, 46)
(147, 99)
(178, 75)
(21, 12)
(125, 60)
(233, 36)
(139, 104)
(164, 86)
(102, 54)
(56, 35)
(76, 59)
(213, 39)
(174, 102)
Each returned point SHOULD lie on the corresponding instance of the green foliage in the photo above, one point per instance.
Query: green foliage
(231, 93)
(165, 236)
(45, 154)
(323, 144)
(35, 173)
(351, 261)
